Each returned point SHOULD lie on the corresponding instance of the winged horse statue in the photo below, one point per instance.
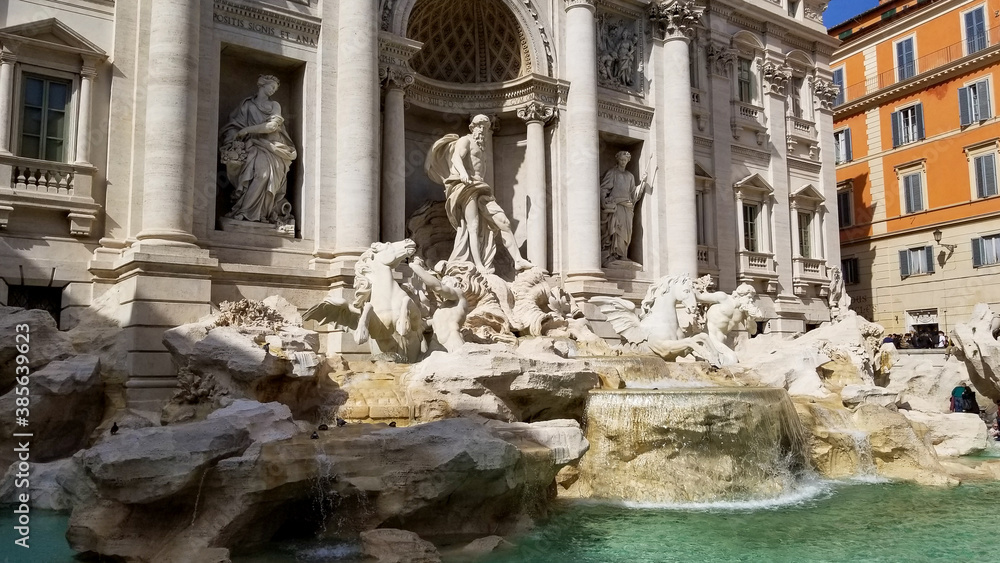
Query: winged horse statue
(655, 325)
(382, 312)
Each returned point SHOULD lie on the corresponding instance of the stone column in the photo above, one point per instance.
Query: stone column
(88, 73)
(171, 124)
(394, 155)
(7, 60)
(357, 129)
(582, 186)
(535, 115)
(673, 22)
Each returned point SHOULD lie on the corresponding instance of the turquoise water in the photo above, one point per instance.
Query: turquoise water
(46, 540)
(824, 522)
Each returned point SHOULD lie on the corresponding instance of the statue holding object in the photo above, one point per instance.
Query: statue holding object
(619, 196)
(257, 153)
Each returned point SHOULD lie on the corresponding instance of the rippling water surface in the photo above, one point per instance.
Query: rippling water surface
(818, 522)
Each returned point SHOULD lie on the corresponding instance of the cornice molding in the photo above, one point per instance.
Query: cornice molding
(630, 114)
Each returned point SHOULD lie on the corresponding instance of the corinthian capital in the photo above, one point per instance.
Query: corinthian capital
(583, 3)
(674, 19)
(826, 93)
(775, 76)
(536, 112)
(395, 77)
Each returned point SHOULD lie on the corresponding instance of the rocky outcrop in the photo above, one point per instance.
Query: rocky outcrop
(952, 434)
(389, 545)
(45, 342)
(854, 395)
(816, 363)
(245, 471)
(66, 403)
(924, 381)
(977, 342)
(492, 381)
(900, 450)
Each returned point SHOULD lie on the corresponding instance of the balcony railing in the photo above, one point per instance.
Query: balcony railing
(50, 186)
(809, 271)
(758, 266)
(707, 258)
(749, 114)
(928, 62)
(801, 129)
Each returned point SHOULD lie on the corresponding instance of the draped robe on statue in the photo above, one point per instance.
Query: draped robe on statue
(620, 194)
(261, 178)
(457, 195)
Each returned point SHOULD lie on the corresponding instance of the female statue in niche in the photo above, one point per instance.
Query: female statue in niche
(257, 153)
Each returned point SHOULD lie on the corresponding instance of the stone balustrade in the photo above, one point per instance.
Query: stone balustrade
(809, 271)
(801, 129)
(758, 266)
(708, 259)
(52, 186)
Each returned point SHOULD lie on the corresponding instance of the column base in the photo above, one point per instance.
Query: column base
(167, 237)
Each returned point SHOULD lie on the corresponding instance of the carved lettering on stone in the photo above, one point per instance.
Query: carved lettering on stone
(619, 46)
(257, 153)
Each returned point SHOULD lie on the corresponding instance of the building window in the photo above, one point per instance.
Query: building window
(805, 234)
(985, 167)
(975, 30)
(744, 80)
(908, 125)
(44, 124)
(795, 84)
(845, 208)
(842, 146)
(702, 226)
(838, 81)
(915, 261)
(974, 102)
(751, 224)
(793, 8)
(985, 251)
(913, 192)
(849, 270)
(36, 297)
(906, 63)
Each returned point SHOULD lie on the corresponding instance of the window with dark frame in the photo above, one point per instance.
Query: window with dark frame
(44, 124)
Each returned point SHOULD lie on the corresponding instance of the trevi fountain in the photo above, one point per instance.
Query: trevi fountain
(491, 423)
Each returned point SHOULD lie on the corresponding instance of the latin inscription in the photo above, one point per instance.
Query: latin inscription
(264, 29)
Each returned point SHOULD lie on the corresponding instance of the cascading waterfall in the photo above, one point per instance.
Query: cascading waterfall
(692, 445)
(837, 423)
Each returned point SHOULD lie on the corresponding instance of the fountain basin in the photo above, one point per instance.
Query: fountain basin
(699, 444)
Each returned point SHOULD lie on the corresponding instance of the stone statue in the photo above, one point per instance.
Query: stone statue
(839, 300)
(655, 327)
(382, 310)
(617, 42)
(726, 313)
(257, 153)
(619, 196)
(457, 163)
(450, 308)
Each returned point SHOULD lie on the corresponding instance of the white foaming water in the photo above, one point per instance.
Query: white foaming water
(665, 384)
(805, 490)
(327, 552)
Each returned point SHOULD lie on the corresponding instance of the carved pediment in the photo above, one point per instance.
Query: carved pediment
(50, 34)
(754, 184)
(808, 192)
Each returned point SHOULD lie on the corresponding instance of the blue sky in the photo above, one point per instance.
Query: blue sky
(842, 10)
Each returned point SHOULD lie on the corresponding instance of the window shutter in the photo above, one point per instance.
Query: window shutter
(989, 176)
(983, 89)
(848, 155)
(904, 263)
(964, 116)
(919, 111)
(895, 129)
(977, 252)
(929, 251)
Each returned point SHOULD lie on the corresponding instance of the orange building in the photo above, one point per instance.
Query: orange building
(916, 142)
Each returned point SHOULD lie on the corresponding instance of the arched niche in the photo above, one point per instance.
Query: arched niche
(536, 42)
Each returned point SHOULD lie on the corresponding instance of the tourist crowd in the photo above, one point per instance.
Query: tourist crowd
(919, 340)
